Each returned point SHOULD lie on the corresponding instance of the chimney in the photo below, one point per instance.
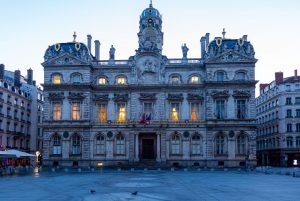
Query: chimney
(89, 42)
(245, 37)
(202, 41)
(296, 73)
(33, 82)
(262, 87)
(278, 77)
(29, 76)
(17, 77)
(2, 67)
(97, 49)
(207, 41)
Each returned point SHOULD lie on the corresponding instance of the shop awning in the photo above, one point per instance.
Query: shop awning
(14, 154)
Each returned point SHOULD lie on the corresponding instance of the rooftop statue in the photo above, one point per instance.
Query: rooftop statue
(185, 50)
(112, 51)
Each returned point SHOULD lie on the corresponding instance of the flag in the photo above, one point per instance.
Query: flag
(143, 118)
(147, 118)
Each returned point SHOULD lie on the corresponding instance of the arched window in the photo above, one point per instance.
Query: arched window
(120, 145)
(220, 76)
(76, 144)
(100, 144)
(175, 79)
(289, 141)
(76, 78)
(194, 79)
(241, 142)
(240, 76)
(196, 144)
(121, 80)
(220, 144)
(102, 80)
(175, 144)
(56, 144)
(56, 78)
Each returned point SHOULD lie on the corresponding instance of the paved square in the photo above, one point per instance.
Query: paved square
(150, 186)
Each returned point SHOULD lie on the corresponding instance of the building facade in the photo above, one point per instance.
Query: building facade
(278, 118)
(20, 109)
(150, 109)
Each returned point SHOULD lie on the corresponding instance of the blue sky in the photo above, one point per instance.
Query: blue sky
(29, 27)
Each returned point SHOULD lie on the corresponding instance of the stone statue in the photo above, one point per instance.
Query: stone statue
(185, 50)
(112, 53)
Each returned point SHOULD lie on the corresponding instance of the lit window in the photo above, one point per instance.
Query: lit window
(120, 145)
(56, 144)
(122, 112)
(76, 78)
(102, 81)
(56, 79)
(196, 144)
(121, 80)
(175, 111)
(194, 79)
(102, 111)
(75, 111)
(76, 149)
(56, 111)
(194, 111)
(100, 144)
(175, 80)
(175, 144)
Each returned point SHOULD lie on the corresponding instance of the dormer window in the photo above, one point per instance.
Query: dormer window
(102, 81)
(121, 80)
(76, 78)
(240, 76)
(194, 79)
(56, 79)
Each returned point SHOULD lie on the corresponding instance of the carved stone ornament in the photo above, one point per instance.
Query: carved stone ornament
(194, 97)
(76, 96)
(121, 97)
(56, 96)
(220, 94)
(241, 94)
(175, 97)
(148, 96)
(101, 98)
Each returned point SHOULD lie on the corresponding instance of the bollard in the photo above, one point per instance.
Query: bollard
(185, 169)
(172, 169)
(132, 169)
(53, 169)
(158, 169)
(119, 169)
(66, 170)
(79, 169)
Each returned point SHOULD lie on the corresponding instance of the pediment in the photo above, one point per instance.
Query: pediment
(231, 56)
(65, 59)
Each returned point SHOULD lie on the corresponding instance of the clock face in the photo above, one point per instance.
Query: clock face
(150, 20)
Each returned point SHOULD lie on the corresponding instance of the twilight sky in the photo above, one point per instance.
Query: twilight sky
(29, 27)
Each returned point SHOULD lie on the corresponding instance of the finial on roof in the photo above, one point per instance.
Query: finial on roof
(224, 33)
(74, 36)
(150, 4)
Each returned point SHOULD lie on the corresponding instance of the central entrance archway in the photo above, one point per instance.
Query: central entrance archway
(147, 146)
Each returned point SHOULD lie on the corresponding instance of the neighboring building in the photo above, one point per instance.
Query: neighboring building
(19, 103)
(193, 112)
(278, 118)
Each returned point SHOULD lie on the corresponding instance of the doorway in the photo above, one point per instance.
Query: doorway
(148, 146)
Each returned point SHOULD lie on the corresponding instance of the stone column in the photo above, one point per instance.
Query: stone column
(158, 158)
(185, 108)
(136, 150)
(111, 108)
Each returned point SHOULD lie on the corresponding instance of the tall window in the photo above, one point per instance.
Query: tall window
(100, 144)
(121, 80)
(298, 141)
(241, 109)
(288, 101)
(56, 111)
(175, 111)
(148, 111)
(194, 111)
(194, 79)
(220, 145)
(196, 144)
(241, 144)
(289, 128)
(76, 78)
(297, 100)
(220, 76)
(289, 113)
(121, 112)
(102, 81)
(56, 146)
(76, 149)
(175, 144)
(298, 113)
(220, 109)
(120, 145)
(102, 111)
(75, 111)
(56, 79)
(289, 141)
(298, 127)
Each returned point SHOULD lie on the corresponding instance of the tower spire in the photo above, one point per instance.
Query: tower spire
(74, 37)
(224, 33)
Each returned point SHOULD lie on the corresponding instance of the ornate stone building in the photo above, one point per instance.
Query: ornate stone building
(150, 109)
